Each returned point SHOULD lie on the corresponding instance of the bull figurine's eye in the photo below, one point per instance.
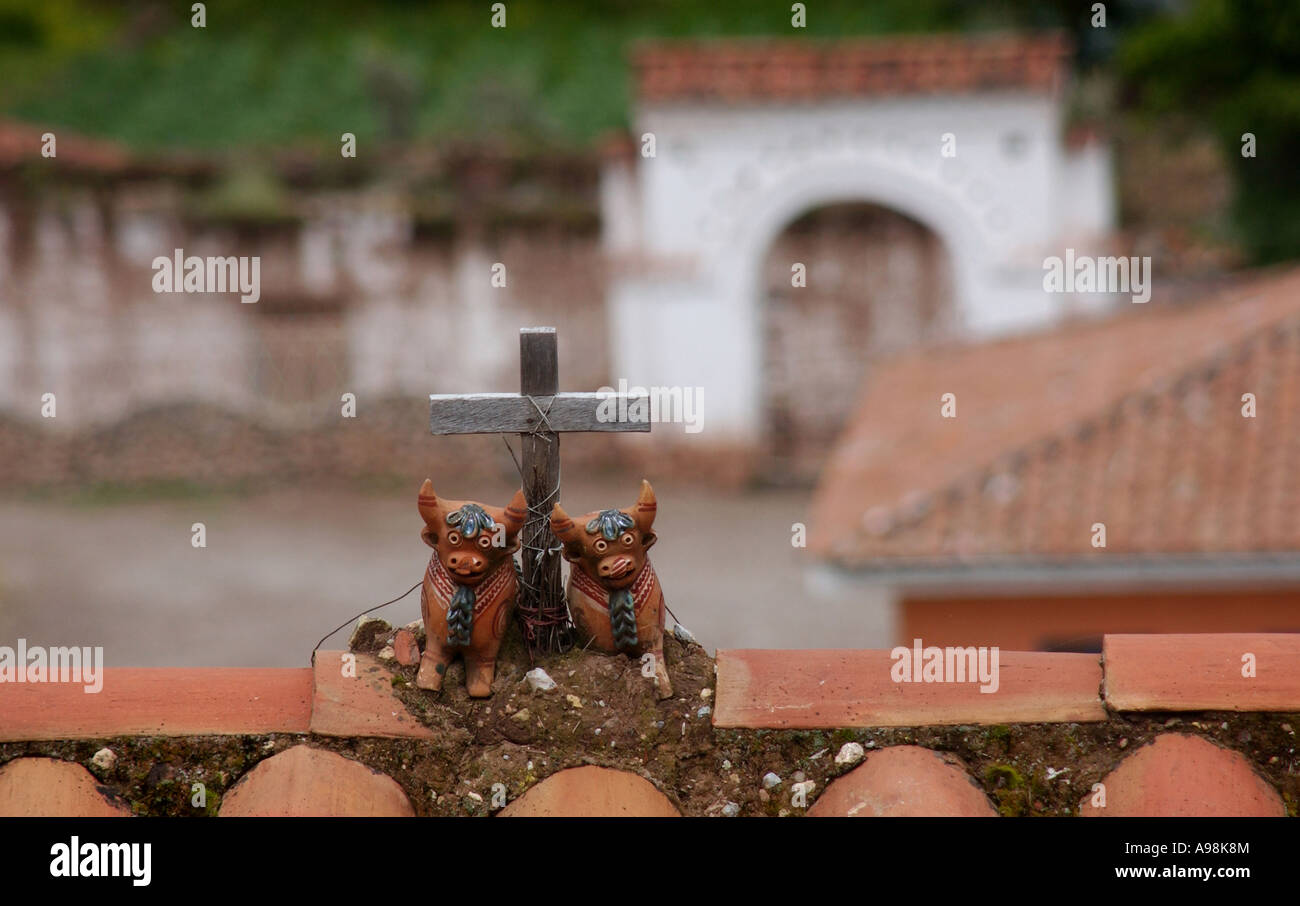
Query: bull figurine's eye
(627, 539)
(453, 537)
(601, 546)
(485, 542)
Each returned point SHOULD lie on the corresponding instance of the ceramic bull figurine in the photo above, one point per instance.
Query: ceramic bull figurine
(614, 596)
(470, 586)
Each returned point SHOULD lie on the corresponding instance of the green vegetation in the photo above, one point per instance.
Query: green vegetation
(1233, 67)
(265, 75)
(298, 73)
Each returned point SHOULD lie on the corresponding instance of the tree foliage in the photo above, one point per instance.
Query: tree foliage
(1233, 66)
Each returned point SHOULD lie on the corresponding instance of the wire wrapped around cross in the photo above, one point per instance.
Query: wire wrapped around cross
(540, 608)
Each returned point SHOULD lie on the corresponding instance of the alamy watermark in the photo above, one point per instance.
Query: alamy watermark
(657, 404)
(214, 274)
(75, 859)
(932, 664)
(53, 665)
(1089, 274)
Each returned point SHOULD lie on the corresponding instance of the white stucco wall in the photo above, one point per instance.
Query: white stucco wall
(725, 181)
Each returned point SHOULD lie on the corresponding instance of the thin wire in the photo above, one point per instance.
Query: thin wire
(344, 624)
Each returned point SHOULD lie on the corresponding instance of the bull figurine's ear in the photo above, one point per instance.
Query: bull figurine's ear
(566, 531)
(516, 513)
(644, 511)
(429, 512)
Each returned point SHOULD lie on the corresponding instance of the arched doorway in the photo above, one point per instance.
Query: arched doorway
(842, 285)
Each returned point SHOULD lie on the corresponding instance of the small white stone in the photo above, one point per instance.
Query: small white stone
(770, 780)
(104, 759)
(573, 700)
(521, 715)
(387, 653)
(730, 810)
(706, 694)
(539, 680)
(704, 711)
(726, 764)
(850, 753)
(682, 634)
(475, 796)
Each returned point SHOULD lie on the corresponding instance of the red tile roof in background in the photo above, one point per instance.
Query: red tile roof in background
(737, 70)
(21, 143)
(1134, 421)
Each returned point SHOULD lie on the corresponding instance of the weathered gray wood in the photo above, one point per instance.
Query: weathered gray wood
(539, 376)
(512, 413)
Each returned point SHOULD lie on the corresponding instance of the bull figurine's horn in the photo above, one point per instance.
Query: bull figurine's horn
(563, 526)
(516, 513)
(428, 502)
(644, 511)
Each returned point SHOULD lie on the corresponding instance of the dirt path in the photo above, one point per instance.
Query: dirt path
(281, 569)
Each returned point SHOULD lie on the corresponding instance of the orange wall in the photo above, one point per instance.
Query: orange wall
(1034, 623)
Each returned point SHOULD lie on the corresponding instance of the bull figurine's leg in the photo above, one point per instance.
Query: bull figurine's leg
(433, 666)
(663, 685)
(480, 670)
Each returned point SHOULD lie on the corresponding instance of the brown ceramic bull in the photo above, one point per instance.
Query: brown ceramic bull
(614, 596)
(470, 586)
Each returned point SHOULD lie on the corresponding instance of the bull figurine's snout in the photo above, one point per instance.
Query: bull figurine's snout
(468, 564)
(616, 568)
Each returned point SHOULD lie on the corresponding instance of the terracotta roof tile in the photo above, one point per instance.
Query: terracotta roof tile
(1182, 776)
(1202, 672)
(21, 142)
(591, 791)
(1134, 421)
(50, 788)
(737, 70)
(905, 782)
(360, 701)
(819, 689)
(304, 782)
(161, 701)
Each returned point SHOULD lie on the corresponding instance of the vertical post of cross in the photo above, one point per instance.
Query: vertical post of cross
(541, 605)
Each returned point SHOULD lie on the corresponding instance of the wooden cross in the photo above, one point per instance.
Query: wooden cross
(538, 412)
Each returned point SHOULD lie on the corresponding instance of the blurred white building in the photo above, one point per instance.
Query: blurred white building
(733, 141)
